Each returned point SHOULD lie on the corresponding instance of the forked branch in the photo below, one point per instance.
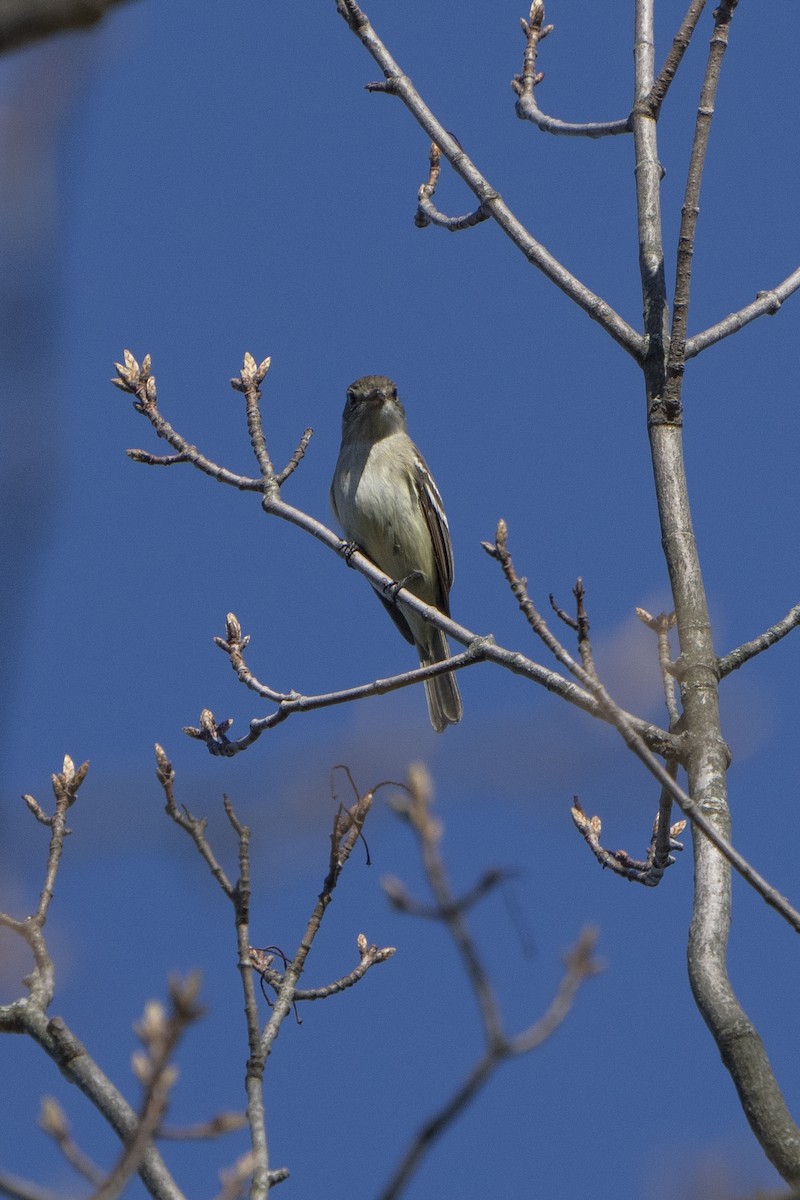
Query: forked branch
(416, 807)
(618, 718)
(397, 83)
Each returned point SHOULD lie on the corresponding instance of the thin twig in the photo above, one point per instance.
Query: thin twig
(661, 626)
(254, 1076)
(53, 1120)
(416, 808)
(161, 1033)
(427, 212)
(525, 84)
(580, 965)
(194, 826)
(370, 956)
(41, 982)
(766, 303)
(680, 44)
(345, 835)
(742, 654)
(650, 871)
(400, 898)
(347, 828)
(690, 209)
(203, 1131)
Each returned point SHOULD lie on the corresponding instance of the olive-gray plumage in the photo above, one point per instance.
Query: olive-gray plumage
(386, 501)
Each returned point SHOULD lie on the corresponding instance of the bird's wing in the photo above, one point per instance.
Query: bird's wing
(433, 508)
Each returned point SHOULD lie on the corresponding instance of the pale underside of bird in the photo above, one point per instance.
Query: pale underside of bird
(387, 503)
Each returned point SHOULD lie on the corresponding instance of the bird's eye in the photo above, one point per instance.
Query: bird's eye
(351, 396)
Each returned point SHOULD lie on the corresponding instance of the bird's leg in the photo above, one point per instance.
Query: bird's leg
(348, 549)
(391, 589)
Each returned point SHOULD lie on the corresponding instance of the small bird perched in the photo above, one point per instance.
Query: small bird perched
(386, 502)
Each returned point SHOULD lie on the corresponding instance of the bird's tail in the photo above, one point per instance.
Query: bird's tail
(444, 698)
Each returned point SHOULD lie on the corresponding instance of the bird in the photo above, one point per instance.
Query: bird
(385, 499)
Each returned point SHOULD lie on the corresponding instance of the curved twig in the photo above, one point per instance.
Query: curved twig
(525, 84)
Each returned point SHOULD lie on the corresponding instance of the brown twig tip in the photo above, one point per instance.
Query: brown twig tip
(233, 630)
(579, 959)
(660, 623)
(183, 993)
(586, 825)
(67, 782)
(499, 546)
(420, 784)
(252, 374)
(52, 1118)
(35, 807)
(136, 379)
(372, 954)
(209, 730)
(165, 772)
(156, 1028)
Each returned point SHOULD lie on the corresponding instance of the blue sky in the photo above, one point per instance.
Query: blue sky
(198, 188)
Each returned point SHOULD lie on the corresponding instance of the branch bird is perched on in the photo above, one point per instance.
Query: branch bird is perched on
(386, 502)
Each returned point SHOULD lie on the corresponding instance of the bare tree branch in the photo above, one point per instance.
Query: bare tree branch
(160, 1032)
(28, 1015)
(203, 1131)
(397, 83)
(742, 654)
(765, 304)
(53, 1120)
(72, 1059)
(706, 755)
(680, 45)
(416, 808)
(400, 898)
(369, 955)
(691, 204)
(650, 871)
(690, 806)
(194, 826)
(525, 84)
(661, 625)
(346, 833)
